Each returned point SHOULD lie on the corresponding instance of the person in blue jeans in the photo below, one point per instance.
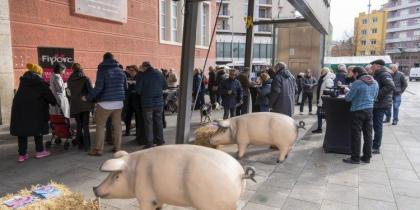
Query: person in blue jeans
(400, 86)
(362, 96)
(383, 102)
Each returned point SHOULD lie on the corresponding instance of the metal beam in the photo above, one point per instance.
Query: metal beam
(249, 36)
(280, 21)
(187, 65)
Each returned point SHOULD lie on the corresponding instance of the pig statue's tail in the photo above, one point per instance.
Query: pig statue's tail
(249, 173)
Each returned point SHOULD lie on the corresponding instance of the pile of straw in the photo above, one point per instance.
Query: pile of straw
(203, 135)
(66, 201)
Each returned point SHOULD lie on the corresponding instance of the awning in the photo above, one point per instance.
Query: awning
(316, 12)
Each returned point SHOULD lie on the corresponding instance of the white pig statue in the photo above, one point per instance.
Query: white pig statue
(262, 128)
(180, 175)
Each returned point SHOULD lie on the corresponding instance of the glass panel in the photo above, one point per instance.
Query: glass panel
(227, 52)
(242, 50)
(219, 49)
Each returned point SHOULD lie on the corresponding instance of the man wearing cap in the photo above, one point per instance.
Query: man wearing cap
(283, 89)
(150, 86)
(383, 102)
(231, 92)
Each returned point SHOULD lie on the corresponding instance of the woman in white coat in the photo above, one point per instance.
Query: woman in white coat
(58, 88)
(326, 81)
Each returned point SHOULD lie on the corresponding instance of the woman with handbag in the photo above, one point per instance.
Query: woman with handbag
(79, 86)
(326, 81)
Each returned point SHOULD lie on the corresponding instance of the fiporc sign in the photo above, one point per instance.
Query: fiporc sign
(48, 57)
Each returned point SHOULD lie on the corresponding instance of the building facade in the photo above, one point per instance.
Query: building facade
(134, 31)
(231, 30)
(403, 34)
(370, 33)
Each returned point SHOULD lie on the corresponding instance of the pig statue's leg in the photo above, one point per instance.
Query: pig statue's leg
(283, 151)
(243, 141)
(242, 149)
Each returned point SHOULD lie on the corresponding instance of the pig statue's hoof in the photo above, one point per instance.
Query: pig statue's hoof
(280, 161)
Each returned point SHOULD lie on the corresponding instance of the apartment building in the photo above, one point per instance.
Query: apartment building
(403, 33)
(231, 30)
(370, 33)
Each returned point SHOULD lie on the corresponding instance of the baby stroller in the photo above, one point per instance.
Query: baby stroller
(61, 129)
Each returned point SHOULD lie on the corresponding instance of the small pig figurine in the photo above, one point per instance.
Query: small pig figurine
(262, 128)
(180, 175)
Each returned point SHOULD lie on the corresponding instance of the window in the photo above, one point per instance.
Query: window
(235, 50)
(364, 32)
(224, 10)
(418, 21)
(174, 21)
(403, 35)
(263, 51)
(373, 41)
(264, 28)
(264, 12)
(364, 21)
(374, 19)
(417, 33)
(403, 23)
(223, 24)
(404, 12)
(227, 50)
(245, 8)
(363, 42)
(373, 52)
(242, 50)
(374, 31)
(204, 25)
(418, 9)
(162, 20)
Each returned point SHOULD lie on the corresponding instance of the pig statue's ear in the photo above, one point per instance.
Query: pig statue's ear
(114, 165)
(224, 123)
(120, 154)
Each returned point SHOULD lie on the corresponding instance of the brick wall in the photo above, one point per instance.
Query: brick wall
(53, 23)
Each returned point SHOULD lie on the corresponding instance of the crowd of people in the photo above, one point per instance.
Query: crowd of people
(138, 91)
(116, 96)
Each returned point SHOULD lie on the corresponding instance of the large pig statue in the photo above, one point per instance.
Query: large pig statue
(180, 175)
(262, 128)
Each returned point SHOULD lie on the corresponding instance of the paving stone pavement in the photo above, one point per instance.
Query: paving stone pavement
(309, 179)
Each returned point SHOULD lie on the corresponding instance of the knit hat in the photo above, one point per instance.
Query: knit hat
(35, 68)
(379, 62)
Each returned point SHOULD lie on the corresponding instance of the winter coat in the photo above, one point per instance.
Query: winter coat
(309, 84)
(243, 78)
(150, 85)
(386, 88)
(263, 97)
(327, 83)
(79, 86)
(58, 88)
(283, 89)
(172, 79)
(230, 101)
(400, 83)
(30, 108)
(111, 83)
(299, 83)
(340, 77)
(212, 80)
(197, 81)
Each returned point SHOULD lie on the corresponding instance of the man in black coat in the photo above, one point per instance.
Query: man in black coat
(150, 86)
(231, 92)
(212, 85)
(382, 103)
(30, 111)
(400, 85)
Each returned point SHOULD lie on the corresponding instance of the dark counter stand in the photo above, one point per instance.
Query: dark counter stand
(337, 136)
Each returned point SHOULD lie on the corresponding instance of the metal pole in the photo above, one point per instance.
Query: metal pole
(231, 43)
(249, 36)
(187, 65)
(273, 48)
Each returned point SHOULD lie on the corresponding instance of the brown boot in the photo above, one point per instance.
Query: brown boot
(95, 152)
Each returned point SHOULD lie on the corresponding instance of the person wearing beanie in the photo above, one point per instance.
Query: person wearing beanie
(362, 96)
(30, 112)
(383, 102)
(340, 77)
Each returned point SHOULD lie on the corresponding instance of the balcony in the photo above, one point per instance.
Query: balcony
(403, 17)
(402, 28)
(397, 50)
(397, 40)
(394, 7)
(265, 3)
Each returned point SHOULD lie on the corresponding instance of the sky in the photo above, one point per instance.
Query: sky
(343, 13)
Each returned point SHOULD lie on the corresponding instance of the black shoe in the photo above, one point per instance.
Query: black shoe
(387, 120)
(160, 144)
(365, 160)
(350, 161)
(317, 131)
(147, 146)
(376, 151)
(394, 122)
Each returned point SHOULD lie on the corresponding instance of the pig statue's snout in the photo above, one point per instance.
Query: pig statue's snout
(95, 191)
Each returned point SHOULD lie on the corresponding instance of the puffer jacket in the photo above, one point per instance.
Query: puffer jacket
(111, 83)
(264, 91)
(150, 85)
(386, 88)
